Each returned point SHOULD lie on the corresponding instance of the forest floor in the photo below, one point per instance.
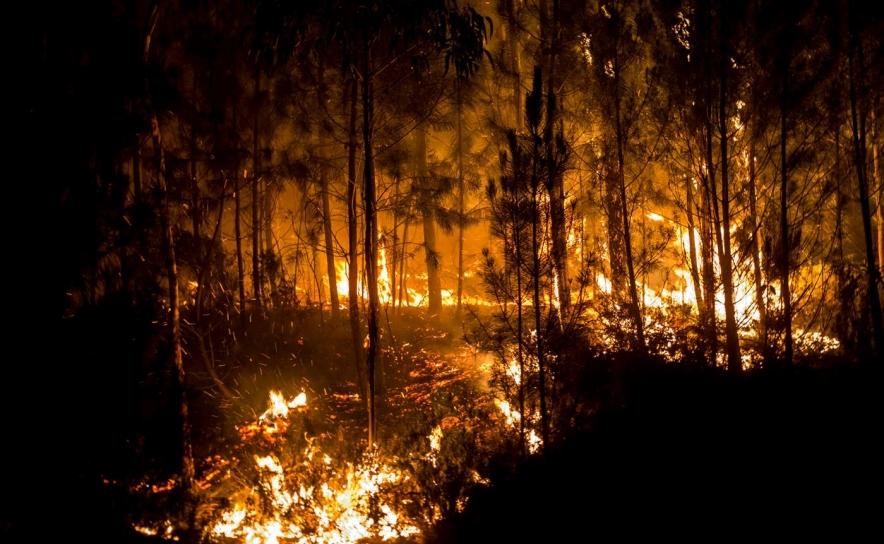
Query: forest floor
(696, 454)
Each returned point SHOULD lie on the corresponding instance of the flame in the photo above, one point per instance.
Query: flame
(347, 506)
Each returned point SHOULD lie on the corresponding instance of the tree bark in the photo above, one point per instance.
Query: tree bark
(434, 282)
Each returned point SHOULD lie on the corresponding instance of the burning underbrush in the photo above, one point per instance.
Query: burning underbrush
(302, 471)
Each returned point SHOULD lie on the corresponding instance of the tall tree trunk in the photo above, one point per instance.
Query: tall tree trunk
(536, 279)
(395, 255)
(756, 257)
(187, 467)
(692, 246)
(237, 229)
(555, 181)
(516, 221)
(371, 240)
(709, 218)
(196, 204)
(878, 188)
(859, 145)
(403, 287)
(256, 196)
(237, 200)
(785, 243)
(634, 305)
(434, 282)
(460, 200)
(734, 362)
(329, 245)
(352, 96)
(514, 51)
(270, 266)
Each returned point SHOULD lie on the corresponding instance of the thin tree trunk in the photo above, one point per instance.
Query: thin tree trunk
(195, 204)
(434, 282)
(270, 268)
(352, 96)
(331, 270)
(536, 279)
(756, 257)
(859, 146)
(515, 61)
(555, 181)
(785, 251)
(187, 467)
(371, 241)
(256, 166)
(460, 200)
(692, 245)
(734, 362)
(879, 191)
(237, 201)
(634, 306)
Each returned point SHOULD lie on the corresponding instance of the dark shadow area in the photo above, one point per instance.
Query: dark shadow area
(703, 456)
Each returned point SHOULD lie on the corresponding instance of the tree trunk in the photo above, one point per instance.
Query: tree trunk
(331, 270)
(371, 241)
(634, 305)
(187, 467)
(256, 166)
(460, 201)
(515, 61)
(756, 258)
(352, 96)
(734, 361)
(692, 245)
(270, 266)
(785, 250)
(859, 146)
(196, 205)
(434, 283)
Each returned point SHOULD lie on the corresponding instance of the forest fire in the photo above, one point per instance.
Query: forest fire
(334, 266)
(311, 497)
